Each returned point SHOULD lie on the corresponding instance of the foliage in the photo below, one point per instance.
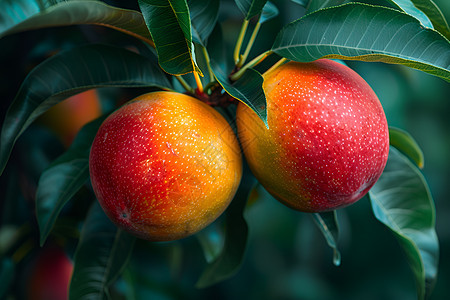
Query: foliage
(182, 45)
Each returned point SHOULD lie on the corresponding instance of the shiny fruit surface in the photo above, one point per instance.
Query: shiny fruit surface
(327, 142)
(67, 117)
(50, 275)
(165, 165)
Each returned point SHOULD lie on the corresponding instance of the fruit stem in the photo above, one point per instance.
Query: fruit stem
(237, 49)
(185, 85)
(199, 82)
(276, 65)
(243, 57)
(251, 64)
(209, 86)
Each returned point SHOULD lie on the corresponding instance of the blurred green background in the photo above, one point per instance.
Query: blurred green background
(287, 257)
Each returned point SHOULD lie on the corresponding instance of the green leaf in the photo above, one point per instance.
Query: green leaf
(217, 49)
(21, 15)
(63, 178)
(101, 256)
(435, 15)
(405, 143)
(269, 12)
(408, 7)
(69, 73)
(328, 225)
(204, 15)
(169, 24)
(314, 5)
(367, 33)
(401, 200)
(236, 232)
(247, 89)
(250, 8)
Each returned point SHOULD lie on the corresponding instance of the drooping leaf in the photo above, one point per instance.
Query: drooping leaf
(368, 33)
(22, 15)
(435, 15)
(169, 24)
(236, 232)
(250, 8)
(269, 12)
(63, 178)
(401, 200)
(204, 15)
(101, 256)
(405, 143)
(247, 89)
(69, 73)
(328, 225)
(408, 7)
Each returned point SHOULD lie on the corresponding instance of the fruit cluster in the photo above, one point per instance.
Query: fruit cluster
(166, 165)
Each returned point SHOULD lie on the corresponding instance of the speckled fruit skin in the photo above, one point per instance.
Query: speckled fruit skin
(327, 142)
(164, 166)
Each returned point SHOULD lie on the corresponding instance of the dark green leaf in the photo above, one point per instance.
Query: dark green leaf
(247, 89)
(269, 12)
(169, 24)
(314, 5)
(101, 256)
(69, 73)
(328, 225)
(368, 33)
(7, 270)
(21, 15)
(404, 142)
(236, 232)
(217, 49)
(250, 8)
(63, 178)
(401, 200)
(204, 14)
(435, 15)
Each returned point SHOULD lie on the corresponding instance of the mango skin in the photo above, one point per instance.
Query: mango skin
(327, 142)
(164, 166)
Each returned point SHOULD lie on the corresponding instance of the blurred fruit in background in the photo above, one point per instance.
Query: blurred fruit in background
(50, 275)
(66, 118)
